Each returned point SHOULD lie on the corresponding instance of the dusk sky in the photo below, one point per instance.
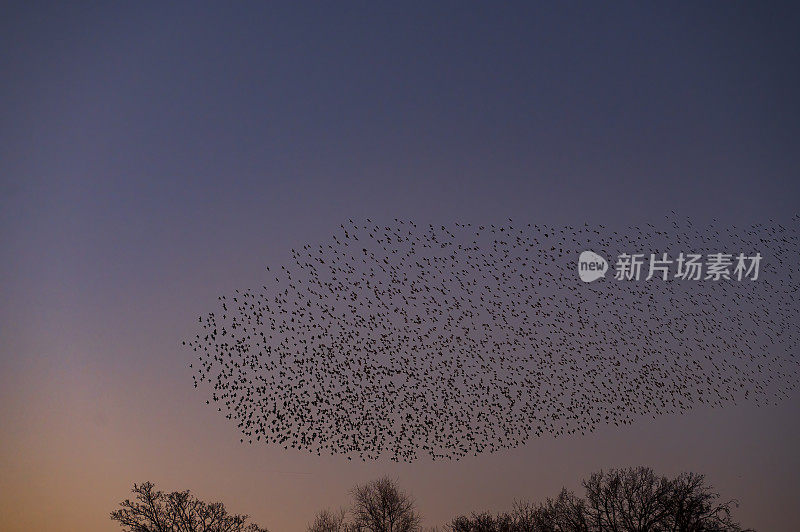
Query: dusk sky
(154, 156)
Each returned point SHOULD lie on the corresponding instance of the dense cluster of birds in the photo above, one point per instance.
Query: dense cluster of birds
(401, 340)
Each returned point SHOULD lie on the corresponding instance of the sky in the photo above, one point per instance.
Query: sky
(154, 156)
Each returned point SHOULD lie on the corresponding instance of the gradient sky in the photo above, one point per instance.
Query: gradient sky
(154, 157)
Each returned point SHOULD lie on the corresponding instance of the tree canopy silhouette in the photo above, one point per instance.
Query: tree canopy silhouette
(331, 521)
(179, 511)
(377, 506)
(380, 506)
(619, 500)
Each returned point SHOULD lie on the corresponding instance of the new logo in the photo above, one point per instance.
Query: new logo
(591, 266)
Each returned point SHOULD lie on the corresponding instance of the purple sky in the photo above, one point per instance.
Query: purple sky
(153, 158)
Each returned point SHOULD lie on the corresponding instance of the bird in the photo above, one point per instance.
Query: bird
(406, 341)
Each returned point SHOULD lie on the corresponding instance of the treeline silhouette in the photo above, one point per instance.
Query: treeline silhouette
(624, 500)
(618, 500)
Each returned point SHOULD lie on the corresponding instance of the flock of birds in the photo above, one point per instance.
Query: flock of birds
(401, 340)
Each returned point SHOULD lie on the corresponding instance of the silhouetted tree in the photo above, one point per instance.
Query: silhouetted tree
(482, 522)
(693, 506)
(636, 500)
(330, 521)
(632, 499)
(179, 511)
(624, 500)
(565, 512)
(380, 506)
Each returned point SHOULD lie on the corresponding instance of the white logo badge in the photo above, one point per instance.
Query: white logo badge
(591, 266)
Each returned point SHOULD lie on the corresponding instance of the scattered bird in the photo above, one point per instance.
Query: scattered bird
(401, 340)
